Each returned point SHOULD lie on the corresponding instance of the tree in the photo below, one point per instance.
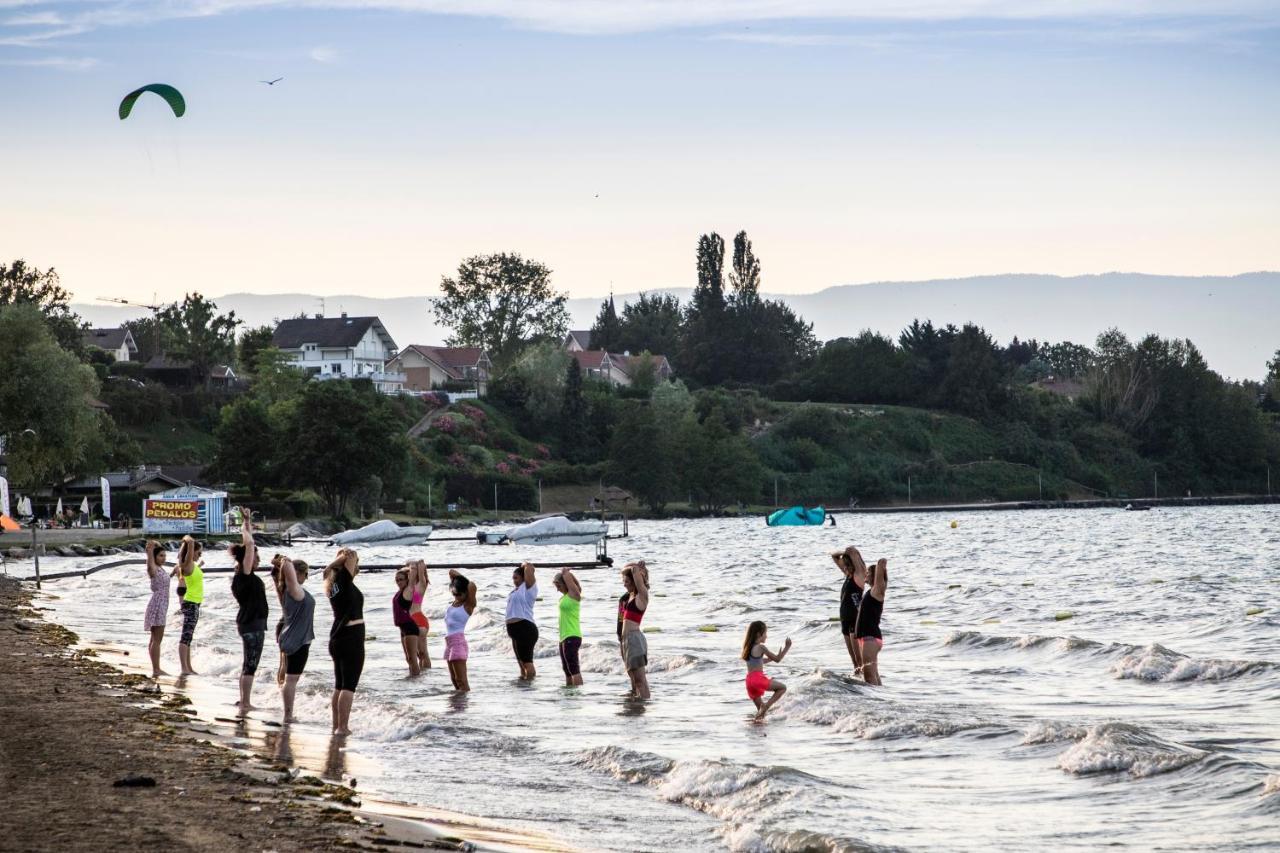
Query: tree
(606, 332)
(538, 375)
(276, 377)
(252, 342)
(652, 323)
(644, 373)
(25, 285)
(745, 277)
(152, 337)
(1068, 360)
(573, 414)
(502, 303)
(1271, 385)
(718, 466)
(642, 457)
(701, 353)
(865, 369)
(975, 378)
(339, 435)
(200, 335)
(248, 445)
(45, 389)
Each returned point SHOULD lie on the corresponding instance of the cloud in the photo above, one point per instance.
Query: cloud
(322, 54)
(1167, 20)
(35, 19)
(62, 63)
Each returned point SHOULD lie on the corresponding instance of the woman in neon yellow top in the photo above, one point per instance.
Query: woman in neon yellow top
(191, 580)
(570, 625)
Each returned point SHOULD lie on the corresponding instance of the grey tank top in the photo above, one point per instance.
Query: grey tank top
(299, 617)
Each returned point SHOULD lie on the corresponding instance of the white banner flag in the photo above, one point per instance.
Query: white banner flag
(4, 496)
(106, 498)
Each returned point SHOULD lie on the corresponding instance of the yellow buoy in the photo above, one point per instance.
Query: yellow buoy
(709, 629)
(954, 525)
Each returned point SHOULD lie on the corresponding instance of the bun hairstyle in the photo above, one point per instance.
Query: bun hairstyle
(237, 554)
(459, 585)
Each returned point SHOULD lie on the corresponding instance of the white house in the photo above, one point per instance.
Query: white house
(119, 342)
(340, 348)
(615, 368)
(426, 368)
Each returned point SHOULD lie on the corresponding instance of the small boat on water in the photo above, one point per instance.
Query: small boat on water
(556, 530)
(384, 532)
(798, 516)
(1132, 508)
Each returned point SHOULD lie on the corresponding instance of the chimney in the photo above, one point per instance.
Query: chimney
(344, 315)
(319, 316)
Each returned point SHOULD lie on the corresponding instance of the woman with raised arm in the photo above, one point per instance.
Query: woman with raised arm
(570, 625)
(346, 637)
(521, 628)
(419, 582)
(755, 653)
(157, 605)
(251, 617)
(869, 638)
(191, 585)
(455, 626)
(299, 627)
(631, 641)
(401, 601)
(854, 569)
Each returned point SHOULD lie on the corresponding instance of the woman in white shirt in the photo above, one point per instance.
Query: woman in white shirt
(520, 625)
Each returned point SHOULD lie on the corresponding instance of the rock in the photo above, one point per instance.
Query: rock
(134, 781)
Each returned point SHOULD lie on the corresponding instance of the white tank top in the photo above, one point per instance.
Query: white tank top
(455, 619)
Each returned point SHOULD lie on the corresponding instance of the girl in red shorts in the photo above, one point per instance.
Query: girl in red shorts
(755, 653)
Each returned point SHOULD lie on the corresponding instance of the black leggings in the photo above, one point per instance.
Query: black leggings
(252, 641)
(295, 663)
(524, 636)
(346, 647)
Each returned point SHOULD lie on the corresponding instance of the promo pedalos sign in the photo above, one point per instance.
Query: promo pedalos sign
(168, 515)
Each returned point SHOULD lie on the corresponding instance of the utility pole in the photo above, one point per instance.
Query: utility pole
(428, 498)
(1156, 480)
(1040, 483)
(908, 489)
(539, 496)
(1268, 480)
(35, 548)
(495, 497)
(775, 488)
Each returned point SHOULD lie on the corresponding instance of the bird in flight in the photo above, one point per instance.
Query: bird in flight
(271, 82)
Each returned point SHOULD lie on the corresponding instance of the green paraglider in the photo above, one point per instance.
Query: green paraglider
(171, 95)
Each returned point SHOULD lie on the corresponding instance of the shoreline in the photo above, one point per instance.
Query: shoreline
(73, 721)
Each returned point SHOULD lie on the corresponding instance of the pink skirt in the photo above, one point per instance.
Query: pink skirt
(455, 646)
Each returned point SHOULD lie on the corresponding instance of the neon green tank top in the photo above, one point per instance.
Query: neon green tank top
(569, 610)
(195, 585)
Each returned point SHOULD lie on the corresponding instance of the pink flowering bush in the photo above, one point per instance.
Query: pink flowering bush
(502, 468)
(543, 451)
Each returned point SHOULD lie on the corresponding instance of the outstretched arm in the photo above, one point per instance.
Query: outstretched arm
(291, 579)
(782, 653)
(882, 578)
(843, 565)
(529, 579)
(470, 603)
(152, 568)
(640, 575)
(571, 584)
(250, 548)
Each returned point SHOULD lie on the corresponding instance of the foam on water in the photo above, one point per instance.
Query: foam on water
(1156, 663)
(1125, 748)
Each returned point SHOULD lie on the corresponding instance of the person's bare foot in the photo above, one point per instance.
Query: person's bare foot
(342, 732)
(188, 672)
(158, 673)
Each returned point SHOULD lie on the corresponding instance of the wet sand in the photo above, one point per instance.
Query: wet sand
(71, 725)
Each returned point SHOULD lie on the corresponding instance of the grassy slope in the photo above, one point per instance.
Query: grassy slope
(174, 442)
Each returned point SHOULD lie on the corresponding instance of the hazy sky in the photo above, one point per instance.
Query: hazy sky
(855, 141)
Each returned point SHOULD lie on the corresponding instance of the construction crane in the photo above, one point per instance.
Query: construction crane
(133, 304)
(154, 309)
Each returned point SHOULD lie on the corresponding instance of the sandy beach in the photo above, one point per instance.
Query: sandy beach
(73, 723)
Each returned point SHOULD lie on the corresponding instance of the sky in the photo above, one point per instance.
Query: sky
(855, 141)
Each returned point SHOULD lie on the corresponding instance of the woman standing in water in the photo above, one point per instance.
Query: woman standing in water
(455, 626)
(570, 625)
(419, 582)
(158, 605)
(299, 626)
(401, 601)
(251, 618)
(521, 628)
(631, 640)
(854, 569)
(755, 653)
(191, 586)
(870, 640)
(346, 638)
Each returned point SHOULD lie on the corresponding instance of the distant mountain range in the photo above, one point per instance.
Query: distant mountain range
(1233, 319)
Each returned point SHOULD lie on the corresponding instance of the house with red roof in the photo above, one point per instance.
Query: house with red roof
(427, 368)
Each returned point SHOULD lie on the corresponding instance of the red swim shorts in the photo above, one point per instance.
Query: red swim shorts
(757, 684)
(420, 619)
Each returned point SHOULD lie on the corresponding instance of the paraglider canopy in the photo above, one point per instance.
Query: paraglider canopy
(171, 95)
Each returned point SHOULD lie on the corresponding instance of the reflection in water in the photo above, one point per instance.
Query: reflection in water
(335, 765)
(280, 745)
(632, 706)
(458, 701)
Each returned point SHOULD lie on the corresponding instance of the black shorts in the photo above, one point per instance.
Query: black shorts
(346, 647)
(253, 641)
(569, 655)
(295, 663)
(409, 629)
(524, 636)
(848, 622)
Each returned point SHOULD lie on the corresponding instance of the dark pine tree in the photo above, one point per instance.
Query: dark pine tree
(606, 333)
(573, 414)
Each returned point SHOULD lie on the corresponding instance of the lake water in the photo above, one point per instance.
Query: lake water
(1149, 719)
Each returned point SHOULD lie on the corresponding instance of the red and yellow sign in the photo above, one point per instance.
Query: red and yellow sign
(170, 516)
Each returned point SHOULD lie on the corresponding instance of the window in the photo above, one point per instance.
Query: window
(336, 369)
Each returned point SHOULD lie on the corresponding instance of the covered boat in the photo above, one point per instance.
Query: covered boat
(384, 532)
(797, 516)
(556, 530)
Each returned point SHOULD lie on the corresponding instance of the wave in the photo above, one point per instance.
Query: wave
(751, 839)
(1125, 748)
(1271, 785)
(603, 658)
(979, 640)
(1052, 732)
(884, 720)
(1157, 663)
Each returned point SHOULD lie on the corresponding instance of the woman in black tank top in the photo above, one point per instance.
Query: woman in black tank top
(870, 641)
(851, 565)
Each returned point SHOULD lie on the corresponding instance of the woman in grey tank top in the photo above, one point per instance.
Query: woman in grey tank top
(297, 631)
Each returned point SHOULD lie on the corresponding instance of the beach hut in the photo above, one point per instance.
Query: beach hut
(186, 509)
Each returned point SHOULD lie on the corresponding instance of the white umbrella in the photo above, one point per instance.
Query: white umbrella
(84, 506)
(59, 507)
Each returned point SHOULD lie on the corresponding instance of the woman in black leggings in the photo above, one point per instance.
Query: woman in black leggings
(346, 638)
